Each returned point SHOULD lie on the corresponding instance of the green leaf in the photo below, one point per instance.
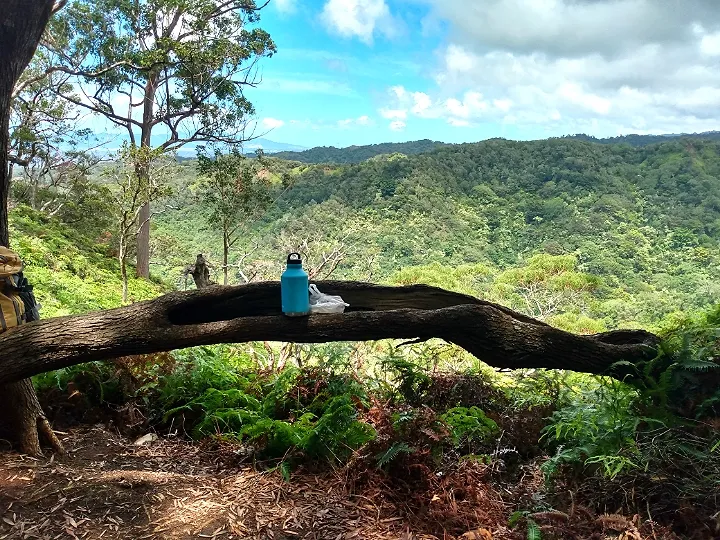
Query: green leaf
(533, 530)
(392, 452)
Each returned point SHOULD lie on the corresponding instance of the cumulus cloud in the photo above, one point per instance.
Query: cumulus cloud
(603, 66)
(286, 6)
(393, 113)
(457, 112)
(272, 123)
(359, 18)
(572, 28)
(710, 44)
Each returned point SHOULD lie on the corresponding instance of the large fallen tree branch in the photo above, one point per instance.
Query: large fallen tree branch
(493, 333)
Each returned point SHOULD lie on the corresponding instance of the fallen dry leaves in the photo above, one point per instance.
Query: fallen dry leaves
(109, 488)
(172, 489)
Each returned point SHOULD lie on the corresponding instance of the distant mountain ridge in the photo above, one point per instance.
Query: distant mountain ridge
(644, 140)
(358, 154)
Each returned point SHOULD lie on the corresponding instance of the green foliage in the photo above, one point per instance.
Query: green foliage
(356, 154)
(469, 426)
(198, 370)
(596, 426)
(99, 382)
(412, 381)
(236, 190)
(71, 271)
(392, 452)
(533, 529)
(193, 54)
(467, 278)
(605, 426)
(272, 413)
(337, 432)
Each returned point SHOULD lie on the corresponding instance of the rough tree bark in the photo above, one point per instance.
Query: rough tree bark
(142, 267)
(21, 26)
(493, 333)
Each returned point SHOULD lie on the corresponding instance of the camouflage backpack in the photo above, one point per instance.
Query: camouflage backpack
(17, 301)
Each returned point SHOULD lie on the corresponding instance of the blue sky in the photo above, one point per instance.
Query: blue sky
(336, 83)
(369, 71)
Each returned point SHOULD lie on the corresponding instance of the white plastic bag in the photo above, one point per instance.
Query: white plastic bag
(325, 303)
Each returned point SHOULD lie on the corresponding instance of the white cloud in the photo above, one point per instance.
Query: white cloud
(572, 28)
(397, 125)
(710, 44)
(573, 93)
(393, 113)
(272, 123)
(456, 122)
(399, 91)
(286, 6)
(609, 66)
(422, 103)
(359, 121)
(458, 59)
(503, 105)
(359, 18)
(471, 105)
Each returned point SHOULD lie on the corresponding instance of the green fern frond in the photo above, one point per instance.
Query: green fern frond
(699, 365)
(391, 453)
(533, 530)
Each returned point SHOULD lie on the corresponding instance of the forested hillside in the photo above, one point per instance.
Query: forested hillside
(356, 154)
(644, 140)
(643, 223)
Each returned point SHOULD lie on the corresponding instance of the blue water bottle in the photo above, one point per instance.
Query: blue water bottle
(294, 288)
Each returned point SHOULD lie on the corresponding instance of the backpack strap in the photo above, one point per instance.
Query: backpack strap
(26, 294)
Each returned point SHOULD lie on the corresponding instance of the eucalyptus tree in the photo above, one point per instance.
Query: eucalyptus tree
(167, 73)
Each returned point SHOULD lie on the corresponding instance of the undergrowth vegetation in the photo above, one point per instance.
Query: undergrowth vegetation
(388, 419)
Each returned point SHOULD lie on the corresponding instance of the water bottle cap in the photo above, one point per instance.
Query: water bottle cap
(294, 258)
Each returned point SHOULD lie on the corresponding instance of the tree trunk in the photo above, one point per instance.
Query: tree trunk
(27, 424)
(123, 273)
(142, 268)
(21, 26)
(226, 250)
(143, 238)
(493, 333)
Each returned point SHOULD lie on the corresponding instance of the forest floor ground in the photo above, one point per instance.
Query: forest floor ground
(108, 487)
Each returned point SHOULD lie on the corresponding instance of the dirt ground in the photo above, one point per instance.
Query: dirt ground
(108, 488)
